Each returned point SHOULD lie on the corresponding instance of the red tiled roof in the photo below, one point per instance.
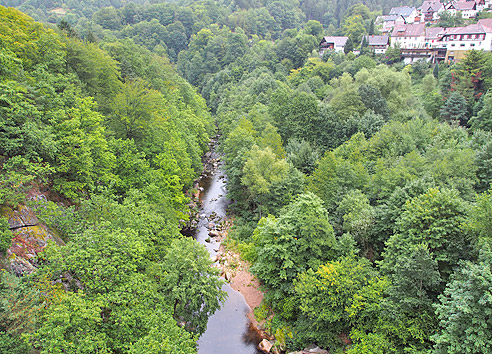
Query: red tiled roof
(487, 22)
(409, 30)
(463, 5)
(433, 32)
(470, 29)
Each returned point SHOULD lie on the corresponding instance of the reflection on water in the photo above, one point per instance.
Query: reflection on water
(229, 330)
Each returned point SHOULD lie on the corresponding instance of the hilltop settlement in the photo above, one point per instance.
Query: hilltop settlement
(419, 34)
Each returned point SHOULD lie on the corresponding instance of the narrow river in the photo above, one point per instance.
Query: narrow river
(228, 330)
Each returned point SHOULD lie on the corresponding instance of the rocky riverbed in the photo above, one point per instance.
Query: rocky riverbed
(234, 328)
(230, 329)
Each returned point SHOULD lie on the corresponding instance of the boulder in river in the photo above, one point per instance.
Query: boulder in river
(214, 233)
(265, 346)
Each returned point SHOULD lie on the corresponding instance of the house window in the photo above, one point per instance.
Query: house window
(452, 45)
(469, 36)
(462, 44)
(472, 45)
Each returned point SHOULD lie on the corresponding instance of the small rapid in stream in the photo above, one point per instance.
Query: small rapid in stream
(228, 330)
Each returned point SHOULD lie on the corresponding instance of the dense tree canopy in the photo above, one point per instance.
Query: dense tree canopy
(119, 135)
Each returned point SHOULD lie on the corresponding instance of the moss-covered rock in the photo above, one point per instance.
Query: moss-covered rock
(29, 238)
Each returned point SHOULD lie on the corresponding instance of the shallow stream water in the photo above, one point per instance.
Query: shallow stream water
(228, 330)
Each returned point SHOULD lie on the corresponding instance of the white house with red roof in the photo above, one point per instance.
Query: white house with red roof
(409, 35)
(477, 36)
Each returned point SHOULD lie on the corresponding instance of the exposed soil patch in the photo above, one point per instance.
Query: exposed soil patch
(236, 271)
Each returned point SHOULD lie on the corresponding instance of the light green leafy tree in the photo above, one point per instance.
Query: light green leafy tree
(190, 284)
(261, 170)
(299, 239)
(333, 298)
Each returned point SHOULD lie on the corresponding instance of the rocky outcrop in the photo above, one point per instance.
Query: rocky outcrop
(30, 238)
(20, 217)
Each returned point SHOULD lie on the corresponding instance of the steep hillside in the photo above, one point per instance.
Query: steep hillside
(97, 150)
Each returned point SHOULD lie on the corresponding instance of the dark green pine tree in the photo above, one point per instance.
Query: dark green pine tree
(455, 109)
(363, 45)
(370, 30)
(67, 28)
(435, 72)
(349, 46)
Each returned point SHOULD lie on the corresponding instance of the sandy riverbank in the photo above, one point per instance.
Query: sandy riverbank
(236, 272)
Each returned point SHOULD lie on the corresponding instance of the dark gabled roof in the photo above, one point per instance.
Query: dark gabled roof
(377, 40)
(430, 6)
(336, 40)
(403, 11)
(391, 17)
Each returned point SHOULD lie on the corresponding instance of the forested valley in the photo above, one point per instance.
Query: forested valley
(361, 186)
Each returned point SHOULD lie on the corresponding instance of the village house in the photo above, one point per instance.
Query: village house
(459, 40)
(468, 9)
(336, 43)
(378, 44)
(431, 50)
(481, 5)
(390, 21)
(408, 29)
(433, 36)
(398, 16)
(409, 36)
(408, 13)
(430, 10)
